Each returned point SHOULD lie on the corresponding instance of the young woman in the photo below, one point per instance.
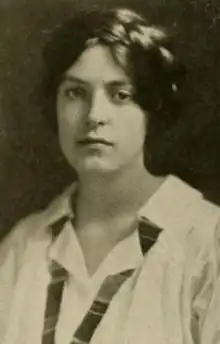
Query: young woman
(121, 256)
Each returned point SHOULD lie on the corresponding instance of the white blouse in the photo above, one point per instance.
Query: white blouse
(172, 297)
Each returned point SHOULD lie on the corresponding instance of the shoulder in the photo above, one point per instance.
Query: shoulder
(180, 209)
(191, 212)
(201, 262)
(35, 225)
(189, 220)
(204, 223)
(199, 237)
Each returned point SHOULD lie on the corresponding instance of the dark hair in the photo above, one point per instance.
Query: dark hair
(143, 50)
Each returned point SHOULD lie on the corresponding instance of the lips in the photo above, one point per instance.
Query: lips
(92, 141)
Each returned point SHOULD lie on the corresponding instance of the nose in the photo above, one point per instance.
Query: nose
(98, 111)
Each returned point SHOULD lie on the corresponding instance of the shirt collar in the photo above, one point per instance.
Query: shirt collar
(167, 208)
(171, 204)
(66, 251)
(172, 201)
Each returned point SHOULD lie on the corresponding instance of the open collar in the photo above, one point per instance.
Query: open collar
(169, 208)
(172, 202)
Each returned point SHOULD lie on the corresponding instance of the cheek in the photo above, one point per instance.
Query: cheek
(69, 116)
(134, 124)
(67, 125)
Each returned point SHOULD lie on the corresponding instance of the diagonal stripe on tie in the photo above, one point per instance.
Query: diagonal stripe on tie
(148, 234)
(54, 292)
(99, 307)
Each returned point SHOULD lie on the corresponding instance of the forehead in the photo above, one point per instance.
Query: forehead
(97, 64)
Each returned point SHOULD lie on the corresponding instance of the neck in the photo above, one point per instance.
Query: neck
(104, 196)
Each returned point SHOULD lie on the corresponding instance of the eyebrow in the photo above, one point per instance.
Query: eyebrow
(67, 77)
(119, 82)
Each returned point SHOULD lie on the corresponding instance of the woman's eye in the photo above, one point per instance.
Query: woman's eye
(74, 93)
(122, 96)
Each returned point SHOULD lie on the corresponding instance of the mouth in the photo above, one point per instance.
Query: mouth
(94, 141)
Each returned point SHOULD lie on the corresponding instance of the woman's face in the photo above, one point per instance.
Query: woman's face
(101, 129)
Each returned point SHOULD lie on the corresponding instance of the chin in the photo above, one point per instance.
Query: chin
(96, 166)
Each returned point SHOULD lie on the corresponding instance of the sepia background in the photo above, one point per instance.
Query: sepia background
(32, 169)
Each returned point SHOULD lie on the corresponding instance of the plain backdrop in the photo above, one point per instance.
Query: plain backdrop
(32, 170)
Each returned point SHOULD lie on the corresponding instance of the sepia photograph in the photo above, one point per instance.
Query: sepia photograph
(110, 172)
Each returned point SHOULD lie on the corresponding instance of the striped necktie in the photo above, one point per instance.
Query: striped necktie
(55, 289)
(148, 234)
